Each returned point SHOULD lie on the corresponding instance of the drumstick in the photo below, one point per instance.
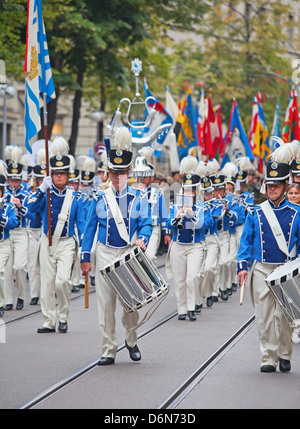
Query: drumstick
(86, 291)
(242, 293)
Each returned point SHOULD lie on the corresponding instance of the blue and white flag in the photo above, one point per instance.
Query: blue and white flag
(37, 67)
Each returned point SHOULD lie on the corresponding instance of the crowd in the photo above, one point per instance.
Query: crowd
(76, 221)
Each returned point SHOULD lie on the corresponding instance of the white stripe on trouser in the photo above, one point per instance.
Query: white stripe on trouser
(208, 278)
(186, 261)
(17, 264)
(223, 263)
(33, 271)
(106, 301)
(274, 331)
(56, 279)
(5, 251)
(232, 278)
(154, 243)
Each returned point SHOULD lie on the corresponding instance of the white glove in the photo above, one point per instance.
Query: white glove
(47, 182)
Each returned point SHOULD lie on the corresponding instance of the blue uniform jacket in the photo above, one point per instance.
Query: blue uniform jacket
(136, 214)
(8, 220)
(257, 241)
(193, 230)
(23, 214)
(38, 203)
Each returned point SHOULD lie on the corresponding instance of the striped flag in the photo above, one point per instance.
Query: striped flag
(37, 67)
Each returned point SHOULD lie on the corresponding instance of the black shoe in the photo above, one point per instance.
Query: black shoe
(284, 365)
(134, 352)
(82, 286)
(191, 316)
(1, 311)
(209, 301)
(106, 361)
(198, 308)
(234, 287)
(93, 280)
(229, 291)
(20, 304)
(215, 298)
(182, 317)
(8, 307)
(34, 301)
(75, 289)
(224, 295)
(63, 327)
(44, 330)
(267, 368)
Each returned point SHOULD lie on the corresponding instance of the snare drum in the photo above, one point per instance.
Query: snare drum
(135, 279)
(284, 283)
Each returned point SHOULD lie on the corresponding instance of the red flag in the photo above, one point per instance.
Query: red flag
(291, 127)
(207, 135)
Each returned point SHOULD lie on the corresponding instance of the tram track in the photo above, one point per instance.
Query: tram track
(179, 394)
(85, 369)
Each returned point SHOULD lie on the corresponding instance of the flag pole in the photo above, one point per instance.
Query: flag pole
(47, 167)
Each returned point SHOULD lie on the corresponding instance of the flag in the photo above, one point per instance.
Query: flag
(38, 71)
(212, 140)
(291, 127)
(253, 126)
(236, 143)
(261, 138)
(275, 126)
(186, 127)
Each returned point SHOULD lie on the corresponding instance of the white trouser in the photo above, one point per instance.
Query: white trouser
(77, 277)
(274, 331)
(186, 262)
(222, 280)
(106, 300)
(34, 236)
(5, 251)
(154, 243)
(208, 278)
(56, 279)
(17, 264)
(232, 259)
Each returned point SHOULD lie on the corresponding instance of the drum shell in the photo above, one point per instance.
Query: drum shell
(135, 279)
(286, 290)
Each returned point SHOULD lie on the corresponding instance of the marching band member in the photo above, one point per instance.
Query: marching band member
(144, 174)
(119, 212)
(87, 176)
(101, 180)
(186, 251)
(212, 210)
(17, 264)
(8, 221)
(57, 260)
(230, 216)
(74, 183)
(246, 199)
(270, 237)
(230, 170)
(34, 232)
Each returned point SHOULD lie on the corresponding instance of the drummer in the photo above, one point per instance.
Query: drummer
(260, 246)
(134, 217)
